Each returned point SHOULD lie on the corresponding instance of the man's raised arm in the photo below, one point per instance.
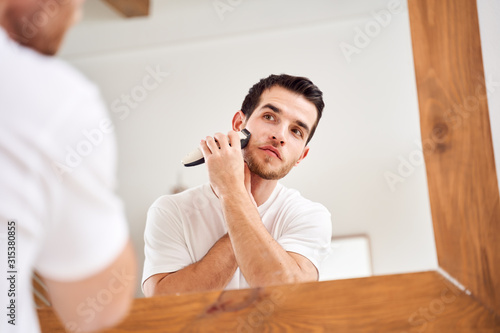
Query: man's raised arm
(261, 259)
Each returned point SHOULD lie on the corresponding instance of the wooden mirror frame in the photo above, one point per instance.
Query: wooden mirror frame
(464, 197)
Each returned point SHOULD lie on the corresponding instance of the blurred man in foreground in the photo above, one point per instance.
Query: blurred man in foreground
(58, 212)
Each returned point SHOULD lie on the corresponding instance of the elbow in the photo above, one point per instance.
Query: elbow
(113, 318)
(148, 288)
(154, 289)
(158, 285)
(110, 315)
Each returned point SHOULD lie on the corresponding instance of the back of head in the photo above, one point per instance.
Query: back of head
(296, 84)
(39, 24)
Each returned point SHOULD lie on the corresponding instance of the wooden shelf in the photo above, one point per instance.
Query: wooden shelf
(130, 8)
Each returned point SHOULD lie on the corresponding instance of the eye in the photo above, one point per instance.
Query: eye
(297, 132)
(268, 116)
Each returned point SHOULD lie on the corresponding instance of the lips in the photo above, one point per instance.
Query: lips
(272, 150)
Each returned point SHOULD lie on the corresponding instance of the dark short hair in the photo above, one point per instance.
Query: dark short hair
(296, 84)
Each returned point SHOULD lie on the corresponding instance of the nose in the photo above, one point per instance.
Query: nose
(279, 136)
(281, 141)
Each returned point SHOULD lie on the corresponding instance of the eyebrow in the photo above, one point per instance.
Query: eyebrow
(278, 111)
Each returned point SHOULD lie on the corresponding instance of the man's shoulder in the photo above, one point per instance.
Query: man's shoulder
(292, 199)
(290, 194)
(63, 76)
(36, 71)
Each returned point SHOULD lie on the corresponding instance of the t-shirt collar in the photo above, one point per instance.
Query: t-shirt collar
(263, 208)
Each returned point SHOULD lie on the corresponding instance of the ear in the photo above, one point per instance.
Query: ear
(239, 121)
(304, 154)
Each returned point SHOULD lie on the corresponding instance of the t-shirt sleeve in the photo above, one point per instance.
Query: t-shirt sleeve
(309, 234)
(86, 229)
(165, 247)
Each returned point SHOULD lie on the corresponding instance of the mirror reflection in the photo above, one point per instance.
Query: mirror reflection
(181, 74)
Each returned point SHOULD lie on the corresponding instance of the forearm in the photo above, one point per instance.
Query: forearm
(261, 259)
(212, 272)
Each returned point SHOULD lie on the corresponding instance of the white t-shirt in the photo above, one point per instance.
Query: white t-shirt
(181, 229)
(57, 158)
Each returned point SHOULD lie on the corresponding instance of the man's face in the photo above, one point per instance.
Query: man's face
(280, 126)
(41, 24)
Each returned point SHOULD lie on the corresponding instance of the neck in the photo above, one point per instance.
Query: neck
(3, 8)
(262, 189)
(6, 22)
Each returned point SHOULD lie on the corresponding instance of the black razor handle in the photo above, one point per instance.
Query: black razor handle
(196, 156)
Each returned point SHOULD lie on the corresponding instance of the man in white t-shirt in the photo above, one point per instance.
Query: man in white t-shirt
(58, 212)
(244, 229)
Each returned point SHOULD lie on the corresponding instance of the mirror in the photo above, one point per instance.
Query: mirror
(365, 164)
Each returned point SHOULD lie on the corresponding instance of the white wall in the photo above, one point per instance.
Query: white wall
(489, 25)
(370, 125)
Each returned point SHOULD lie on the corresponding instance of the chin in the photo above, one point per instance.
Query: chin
(264, 168)
(268, 173)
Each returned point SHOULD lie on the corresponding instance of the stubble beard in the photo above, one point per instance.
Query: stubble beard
(263, 170)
